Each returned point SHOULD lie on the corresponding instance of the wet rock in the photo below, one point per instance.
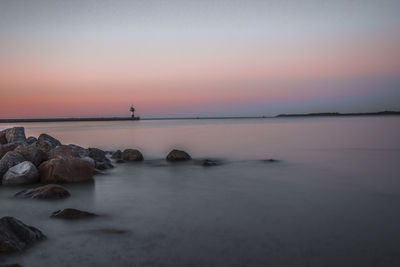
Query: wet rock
(132, 155)
(72, 214)
(53, 142)
(63, 152)
(20, 174)
(5, 148)
(178, 155)
(32, 153)
(81, 151)
(30, 140)
(9, 160)
(16, 135)
(67, 170)
(3, 139)
(16, 236)
(119, 161)
(100, 159)
(43, 145)
(209, 163)
(270, 160)
(117, 154)
(50, 191)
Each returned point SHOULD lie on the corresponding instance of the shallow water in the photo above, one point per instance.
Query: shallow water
(333, 199)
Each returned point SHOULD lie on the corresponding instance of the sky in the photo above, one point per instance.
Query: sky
(197, 58)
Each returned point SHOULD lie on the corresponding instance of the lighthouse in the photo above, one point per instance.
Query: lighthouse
(132, 110)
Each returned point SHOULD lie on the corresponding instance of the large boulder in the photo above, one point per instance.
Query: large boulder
(16, 236)
(132, 155)
(9, 160)
(72, 214)
(20, 174)
(32, 153)
(178, 155)
(100, 159)
(117, 154)
(16, 135)
(63, 152)
(31, 139)
(66, 170)
(5, 148)
(45, 137)
(3, 139)
(50, 191)
(44, 145)
(81, 151)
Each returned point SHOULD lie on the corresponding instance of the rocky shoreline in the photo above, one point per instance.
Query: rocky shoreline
(46, 162)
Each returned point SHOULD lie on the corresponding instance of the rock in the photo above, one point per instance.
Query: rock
(50, 191)
(178, 155)
(45, 137)
(20, 174)
(9, 160)
(16, 236)
(209, 163)
(63, 152)
(3, 139)
(30, 140)
(132, 155)
(72, 214)
(81, 151)
(32, 153)
(5, 148)
(117, 154)
(120, 161)
(270, 160)
(44, 145)
(16, 135)
(67, 170)
(100, 159)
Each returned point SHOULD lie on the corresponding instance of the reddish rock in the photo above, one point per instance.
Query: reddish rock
(178, 155)
(63, 152)
(32, 153)
(5, 148)
(50, 191)
(3, 139)
(72, 214)
(67, 170)
(43, 145)
(132, 155)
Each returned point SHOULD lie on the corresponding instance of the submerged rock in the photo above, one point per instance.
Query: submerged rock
(100, 159)
(72, 214)
(9, 160)
(270, 160)
(50, 191)
(209, 163)
(63, 152)
(16, 236)
(66, 170)
(16, 135)
(32, 153)
(20, 174)
(53, 141)
(178, 155)
(132, 155)
(117, 154)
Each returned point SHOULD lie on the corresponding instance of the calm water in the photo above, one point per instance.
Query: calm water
(332, 200)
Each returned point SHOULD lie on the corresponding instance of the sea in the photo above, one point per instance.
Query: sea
(312, 191)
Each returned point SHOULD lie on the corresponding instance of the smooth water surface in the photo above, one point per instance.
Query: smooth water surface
(333, 199)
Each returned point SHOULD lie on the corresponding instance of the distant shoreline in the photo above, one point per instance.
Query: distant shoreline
(326, 114)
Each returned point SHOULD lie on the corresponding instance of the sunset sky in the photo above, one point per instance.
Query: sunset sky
(197, 58)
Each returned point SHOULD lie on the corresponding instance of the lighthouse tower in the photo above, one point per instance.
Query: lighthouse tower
(132, 110)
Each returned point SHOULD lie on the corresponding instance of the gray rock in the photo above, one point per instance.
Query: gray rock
(72, 214)
(178, 155)
(9, 160)
(117, 154)
(16, 135)
(50, 191)
(209, 163)
(16, 236)
(100, 159)
(32, 153)
(20, 174)
(132, 155)
(81, 151)
(5, 148)
(30, 140)
(45, 137)
(3, 139)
